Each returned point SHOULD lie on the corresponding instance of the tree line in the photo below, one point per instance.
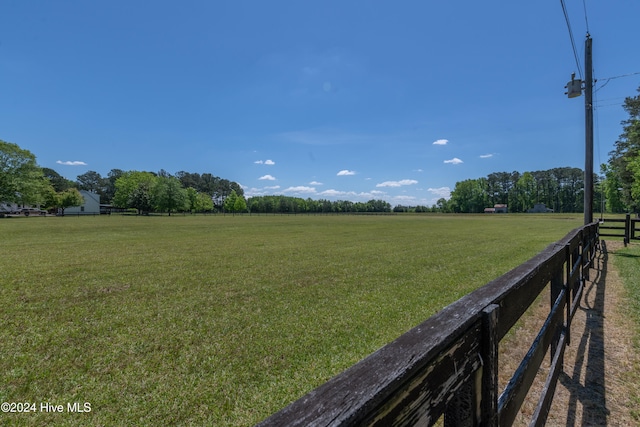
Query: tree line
(560, 189)
(162, 192)
(295, 205)
(621, 183)
(616, 189)
(23, 182)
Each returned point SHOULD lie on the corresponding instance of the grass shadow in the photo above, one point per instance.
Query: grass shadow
(626, 255)
(591, 393)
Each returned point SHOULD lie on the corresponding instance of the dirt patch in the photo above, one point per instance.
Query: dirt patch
(594, 387)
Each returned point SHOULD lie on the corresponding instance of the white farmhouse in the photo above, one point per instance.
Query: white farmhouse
(91, 205)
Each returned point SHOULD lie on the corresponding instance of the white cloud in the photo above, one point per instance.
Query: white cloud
(315, 183)
(346, 172)
(265, 162)
(405, 199)
(441, 142)
(71, 163)
(333, 193)
(486, 156)
(397, 183)
(300, 189)
(441, 192)
(258, 162)
(264, 191)
(351, 195)
(267, 177)
(454, 161)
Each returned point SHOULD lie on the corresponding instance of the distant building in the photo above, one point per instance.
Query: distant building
(90, 206)
(540, 208)
(499, 208)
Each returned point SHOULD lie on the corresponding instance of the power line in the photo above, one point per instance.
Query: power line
(597, 123)
(607, 80)
(616, 99)
(573, 43)
(586, 21)
(610, 105)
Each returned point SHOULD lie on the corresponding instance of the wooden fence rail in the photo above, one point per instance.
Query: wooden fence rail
(625, 228)
(448, 365)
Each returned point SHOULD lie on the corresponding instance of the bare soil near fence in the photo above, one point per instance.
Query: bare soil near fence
(600, 365)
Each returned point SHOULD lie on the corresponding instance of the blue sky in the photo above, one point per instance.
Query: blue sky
(333, 99)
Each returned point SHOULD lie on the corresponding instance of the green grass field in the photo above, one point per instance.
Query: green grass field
(223, 320)
(628, 263)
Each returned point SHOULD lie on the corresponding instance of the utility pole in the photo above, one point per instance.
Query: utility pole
(574, 89)
(588, 126)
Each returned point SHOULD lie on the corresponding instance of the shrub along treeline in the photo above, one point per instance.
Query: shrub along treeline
(560, 189)
(150, 191)
(24, 183)
(287, 204)
(621, 184)
(163, 192)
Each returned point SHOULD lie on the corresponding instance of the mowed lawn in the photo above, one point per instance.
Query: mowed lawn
(223, 320)
(627, 260)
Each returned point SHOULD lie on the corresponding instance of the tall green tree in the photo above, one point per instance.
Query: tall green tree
(190, 180)
(526, 191)
(22, 181)
(235, 203)
(110, 185)
(240, 205)
(58, 182)
(68, 198)
(141, 198)
(197, 201)
(634, 167)
(470, 196)
(130, 188)
(192, 199)
(204, 202)
(499, 185)
(622, 160)
(93, 181)
(443, 205)
(168, 195)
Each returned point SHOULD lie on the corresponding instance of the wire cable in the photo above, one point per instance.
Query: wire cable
(573, 43)
(586, 21)
(611, 105)
(607, 80)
